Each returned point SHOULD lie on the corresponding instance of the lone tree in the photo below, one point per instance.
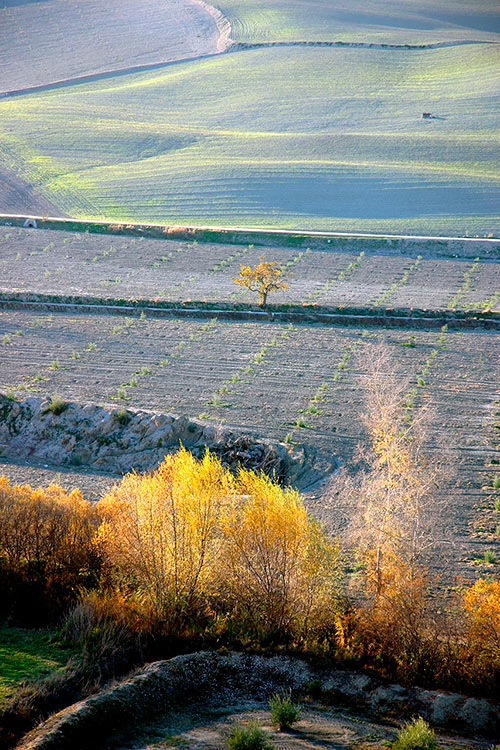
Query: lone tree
(263, 278)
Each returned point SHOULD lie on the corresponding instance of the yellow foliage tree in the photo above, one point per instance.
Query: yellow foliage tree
(47, 549)
(282, 573)
(395, 522)
(161, 532)
(191, 538)
(482, 607)
(263, 278)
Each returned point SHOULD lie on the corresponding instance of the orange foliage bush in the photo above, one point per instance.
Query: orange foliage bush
(47, 549)
(482, 608)
(193, 541)
(281, 574)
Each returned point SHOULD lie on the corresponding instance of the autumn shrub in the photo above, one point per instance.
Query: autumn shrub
(47, 550)
(280, 572)
(161, 535)
(482, 609)
(194, 546)
(403, 635)
(107, 631)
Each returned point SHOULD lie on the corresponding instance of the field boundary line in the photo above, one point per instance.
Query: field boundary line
(181, 231)
(242, 46)
(225, 45)
(377, 318)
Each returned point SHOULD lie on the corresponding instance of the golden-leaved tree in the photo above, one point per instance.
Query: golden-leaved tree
(395, 522)
(161, 532)
(283, 574)
(264, 277)
(395, 513)
(193, 540)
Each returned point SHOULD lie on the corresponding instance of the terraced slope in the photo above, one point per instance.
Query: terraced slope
(321, 138)
(48, 40)
(299, 383)
(107, 268)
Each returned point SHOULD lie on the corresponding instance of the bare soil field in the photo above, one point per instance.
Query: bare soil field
(71, 39)
(319, 727)
(107, 267)
(16, 195)
(298, 384)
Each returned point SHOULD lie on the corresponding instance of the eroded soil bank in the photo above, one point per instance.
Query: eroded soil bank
(164, 689)
(120, 440)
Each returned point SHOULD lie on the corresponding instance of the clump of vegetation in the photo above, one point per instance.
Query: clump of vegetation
(122, 416)
(251, 737)
(47, 550)
(56, 405)
(192, 536)
(262, 278)
(416, 735)
(284, 712)
(490, 557)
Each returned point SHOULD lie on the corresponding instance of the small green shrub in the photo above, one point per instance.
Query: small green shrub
(284, 712)
(122, 416)
(56, 405)
(416, 735)
(497, 504)
(54, 365)
(251, 737)
(490, 557)
(496, 482)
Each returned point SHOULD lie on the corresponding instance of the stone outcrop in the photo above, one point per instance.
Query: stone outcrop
(119, 440)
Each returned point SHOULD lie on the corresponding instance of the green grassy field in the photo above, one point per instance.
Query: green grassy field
(316, 138)
(390, 21)
(27, 655)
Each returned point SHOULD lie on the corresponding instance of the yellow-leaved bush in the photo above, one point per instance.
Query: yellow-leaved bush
(47, 550)
(482, 608)
(192, 539)
(282, 573)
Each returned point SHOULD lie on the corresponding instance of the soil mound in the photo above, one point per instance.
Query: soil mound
(117, 441)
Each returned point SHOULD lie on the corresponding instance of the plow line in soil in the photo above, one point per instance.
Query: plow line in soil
(380, 317)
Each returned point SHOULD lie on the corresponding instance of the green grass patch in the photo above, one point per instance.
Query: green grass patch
(27, 655)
